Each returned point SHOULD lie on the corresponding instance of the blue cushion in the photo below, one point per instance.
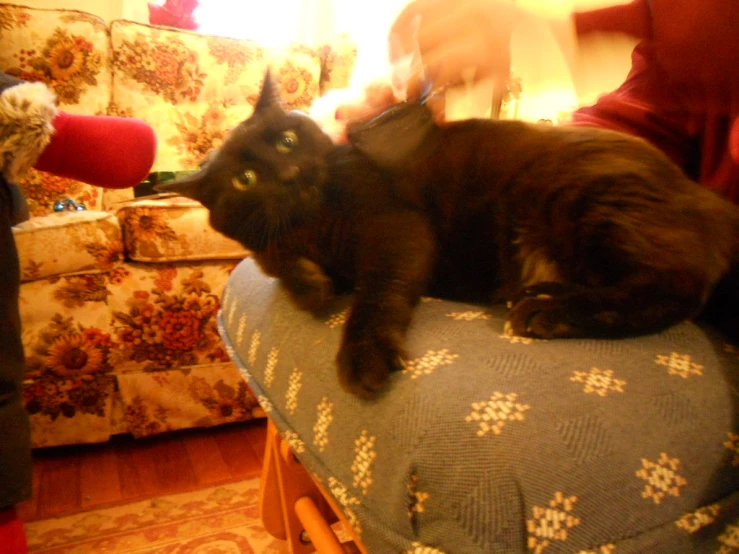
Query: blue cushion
(492, 443)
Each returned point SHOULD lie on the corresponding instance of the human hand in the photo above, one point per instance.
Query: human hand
(337, 109)
(377, 97)
(451, 42)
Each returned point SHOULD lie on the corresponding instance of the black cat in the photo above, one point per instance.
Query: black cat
(586, 232)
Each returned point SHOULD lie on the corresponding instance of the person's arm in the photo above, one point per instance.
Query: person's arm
(694, 42)
(633, 19)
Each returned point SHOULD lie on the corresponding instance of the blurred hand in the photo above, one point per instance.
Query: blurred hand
(378, 96)
(451, 42)
(447, 42)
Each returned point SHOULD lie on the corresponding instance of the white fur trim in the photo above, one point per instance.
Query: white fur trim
(26, 114)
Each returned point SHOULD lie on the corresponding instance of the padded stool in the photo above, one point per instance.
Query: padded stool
(492, 443)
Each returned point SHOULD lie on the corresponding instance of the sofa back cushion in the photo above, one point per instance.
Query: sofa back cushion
(66, 49)
(173, 230)
(70, 52)
(193, 88)
(68, 242)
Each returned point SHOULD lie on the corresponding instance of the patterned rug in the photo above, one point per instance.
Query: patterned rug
(218, 520)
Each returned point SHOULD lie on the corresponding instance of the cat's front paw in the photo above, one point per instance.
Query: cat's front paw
(365, 364)
(311, 289)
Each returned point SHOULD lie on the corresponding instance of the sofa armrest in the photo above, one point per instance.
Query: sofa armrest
(68, 242)
(173, 229)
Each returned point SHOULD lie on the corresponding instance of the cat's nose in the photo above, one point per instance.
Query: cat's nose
(289, 174)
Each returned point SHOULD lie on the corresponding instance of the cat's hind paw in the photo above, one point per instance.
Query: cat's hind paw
(541, 317)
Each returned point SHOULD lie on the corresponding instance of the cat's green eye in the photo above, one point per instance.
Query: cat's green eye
(245, 180)
(286, 142)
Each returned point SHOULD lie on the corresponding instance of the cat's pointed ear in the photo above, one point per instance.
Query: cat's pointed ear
(187, 185)
(396, 136)
(270, 93)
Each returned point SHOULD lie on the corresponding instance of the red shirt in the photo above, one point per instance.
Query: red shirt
(682, 93)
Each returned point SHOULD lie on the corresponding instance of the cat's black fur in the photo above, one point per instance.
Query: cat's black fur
(586, 232)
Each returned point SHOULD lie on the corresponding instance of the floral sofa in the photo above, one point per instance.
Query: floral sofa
(119, 301)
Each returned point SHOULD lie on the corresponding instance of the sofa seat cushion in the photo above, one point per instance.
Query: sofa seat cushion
(134, 349)
(68, 242)
(199, 396)
(492, 443)
(173, 229)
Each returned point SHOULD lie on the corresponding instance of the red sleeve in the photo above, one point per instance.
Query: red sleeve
(695, 42)
(633, 19)
(697, 39)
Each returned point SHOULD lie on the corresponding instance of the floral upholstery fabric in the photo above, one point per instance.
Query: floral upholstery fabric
(69, 51)
(173, 229)
(119, 302)
(337, 63)
(193, 88)
(132, 331)
(43, 190)
(68, 242)
(178, 399)
(71, 55)
(196, 87)
(487, 442)
(164, 315)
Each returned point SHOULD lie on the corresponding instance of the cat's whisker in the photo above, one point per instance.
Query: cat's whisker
(286, 225)
(252, 223)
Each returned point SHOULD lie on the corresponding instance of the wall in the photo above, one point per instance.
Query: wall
(133, 10)
(107, 9)
(550, 90)
(606, 60)
(369, 25)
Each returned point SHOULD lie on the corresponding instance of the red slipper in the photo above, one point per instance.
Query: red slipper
(12, 535)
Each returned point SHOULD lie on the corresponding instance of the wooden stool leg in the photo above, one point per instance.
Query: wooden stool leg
(356, 545)
(286, 485)
(270, 501)
(319, 531)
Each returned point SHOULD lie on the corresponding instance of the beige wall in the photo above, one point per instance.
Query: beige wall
(549, 89)
(109, 10)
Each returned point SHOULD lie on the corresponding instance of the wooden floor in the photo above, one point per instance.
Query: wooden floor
(73, 479)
